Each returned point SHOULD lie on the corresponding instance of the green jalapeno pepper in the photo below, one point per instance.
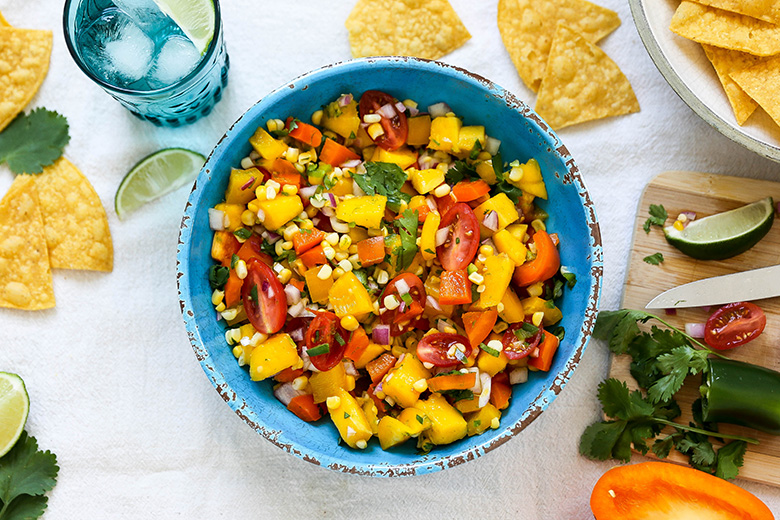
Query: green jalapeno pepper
(735, 392)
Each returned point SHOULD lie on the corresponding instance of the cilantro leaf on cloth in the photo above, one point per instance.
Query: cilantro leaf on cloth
(407, 228)
(34, 140)
(658, 216)
(26, 472)
(384, 179)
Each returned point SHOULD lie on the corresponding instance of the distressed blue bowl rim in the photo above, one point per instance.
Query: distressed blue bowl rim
(422, 464)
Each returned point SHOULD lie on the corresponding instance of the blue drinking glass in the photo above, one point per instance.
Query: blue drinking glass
(123, 67)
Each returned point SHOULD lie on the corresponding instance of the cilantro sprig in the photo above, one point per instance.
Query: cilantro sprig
(26, 475)
(661, 360)
(33, 141)
(407, 229)
(654, 259)
(384, 179)
(658, 216)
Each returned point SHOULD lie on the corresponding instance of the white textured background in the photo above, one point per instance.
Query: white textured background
(116, 391)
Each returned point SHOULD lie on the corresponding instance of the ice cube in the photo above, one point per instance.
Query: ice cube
(129, 52)
(145, 14)
(177, 58)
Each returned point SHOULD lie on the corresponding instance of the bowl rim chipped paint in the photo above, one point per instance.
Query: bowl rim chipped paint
(479, 101)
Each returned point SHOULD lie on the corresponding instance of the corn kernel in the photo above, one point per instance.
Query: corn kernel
(229, 314)
(325, 272)
(271, 125)
(382, 278)
(375, 130)
(241, 271)
(292, 154)
(307, 157)
(270, 193)
(516, 174)
(290, 231)
(316, 117)
(349, 322)
(248, 218)
(361, 444)
(290, 189)
(678, 225)
(536, 289)
(495, 423)
(284, 275)
(332, 238)
(344, 242)
(484, 156)
(333, 402)
(449, 330)
(538, 225)
(486, 250)
(287, 245)
(306, 223)
(537, 318)
(217, 296)
(220, 307)
(247, 163)
(346, 265)
(682, 217)
(372, 118)
(311, 211)
(421, 385)
(341, 255)
(328, 251)
(391, 302)
(442, 190)
(258, 338)
(500, 307)
(237, 351)
(409, 103)
(300, 382)
(411, 343)
(496, 345)
(338, 272)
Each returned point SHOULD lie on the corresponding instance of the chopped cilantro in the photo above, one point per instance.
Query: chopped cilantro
(558, 332)
(475, 150)
(218, 276)
(430, 251)
(253, 294)
(322, 348)
(458, 395)
(407, 228)
(658, 216)
(352, 135)
(654, 259)
(346, 415)
(571, 278)
(460, 171)
(33, 141)
(384, 179)
(233, 261)
(493, 352)
(502, 184)
(243, 233)
(420, 419)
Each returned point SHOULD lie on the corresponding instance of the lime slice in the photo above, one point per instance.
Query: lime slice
(158, 174)
(14, 406)
(194, 17)
(726, 234)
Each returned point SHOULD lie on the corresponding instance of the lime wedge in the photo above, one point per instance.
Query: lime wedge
(726, 234)
(154, 176)
(14, 407)
(194, 17)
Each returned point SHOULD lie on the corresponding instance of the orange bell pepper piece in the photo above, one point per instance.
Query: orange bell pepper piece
(223, 246)
(466, 191)
(357, 344)
(452, 382)
(380, 366)
(500, 390)
(283, 172)
(298, 284)
(543, 267)
(288, 374)
(251, 249)
(371, 251)
(233, 289)
(305, 239)
(478, 325)
(314, 256)
(304, 407)
(666, 490)
(547, 349)
(336, 154)
(455, 288)
(305, 133)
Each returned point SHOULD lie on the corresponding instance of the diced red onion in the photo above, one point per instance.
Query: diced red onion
(345, 100)
(402, 287)
(492, 145)
(286, 392)
(216, 219)
(354, 163)
(331, 199)
(328, 211)
(670, 312)
(400, 107)
(378, 388)
(401, 307)
(690, 216)
(381, 334)
(412, 111)
(272, 237)
(442, 324)
(219, 316)
(293, 294)
(308, 192)
(695, 330)
(434, 303)
(487, 384)
(297, 334)
(338, 226)
(364, 125)
(441, 235)
(349, 368)
(315, 221)
(387, 111)
(491, 220)
(439, 110)
(248, 184)
(518, 375)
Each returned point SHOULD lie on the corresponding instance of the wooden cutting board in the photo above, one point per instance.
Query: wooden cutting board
(706, 194)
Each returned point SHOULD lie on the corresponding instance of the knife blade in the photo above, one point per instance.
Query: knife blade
(745, 286)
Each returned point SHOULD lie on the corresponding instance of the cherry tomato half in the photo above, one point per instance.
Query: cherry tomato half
(463, 239)
(519, 342)
(434, 349)
(396, 128)
(400, 319)
(733, 325)
(325, 329)
(263, 296)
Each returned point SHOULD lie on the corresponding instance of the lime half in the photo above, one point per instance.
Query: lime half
(194, 17)
(726, 234)
(14, 407)
(154, 176)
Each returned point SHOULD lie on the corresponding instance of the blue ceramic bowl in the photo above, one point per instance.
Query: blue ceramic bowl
(523, 135)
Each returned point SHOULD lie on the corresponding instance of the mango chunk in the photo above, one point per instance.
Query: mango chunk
(513, 308)
(403, 157)
(280, 210)
(447, 424)
(398, 383)
(350, 420)
(344, 121)
(507, 243)
(327, 384)
(233, 213)
(425, 181)
(503, 206)
(366, 211)
(445, 131)
(266, 145)
(498, 273)
(481, 420)
(349, 296)
(273, 356)
(419, 130)
(242, 184)
(391, 432)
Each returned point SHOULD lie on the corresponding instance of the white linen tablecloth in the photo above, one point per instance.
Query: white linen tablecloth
(116, 391)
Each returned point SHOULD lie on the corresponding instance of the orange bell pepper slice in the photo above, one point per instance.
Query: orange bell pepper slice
(336, 154)
(233, 289)
(305, 239)
(288, 374)
(665, 490)
(371, 251)
(478, 325)
(305, 133)
(452, 382)
(283, 172)
(380, 366)
(251, 249)
(223, 246)
(500, 390)
(466, 191)
(304, 407)
(543, 267)
(455, 288)
(357, 344)
(314, 256)
(547, 349)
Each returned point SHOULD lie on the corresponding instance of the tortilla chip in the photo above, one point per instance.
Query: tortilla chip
(762, 83)
(75, 223)
(767, 10)
(727, 30)
(25, 275)
(527, 28)
(3, 21)
(581, 83)
(725, 62)
(24, 62)
(421, 28)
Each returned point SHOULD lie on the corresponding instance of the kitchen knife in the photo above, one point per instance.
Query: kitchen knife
(745, 286)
